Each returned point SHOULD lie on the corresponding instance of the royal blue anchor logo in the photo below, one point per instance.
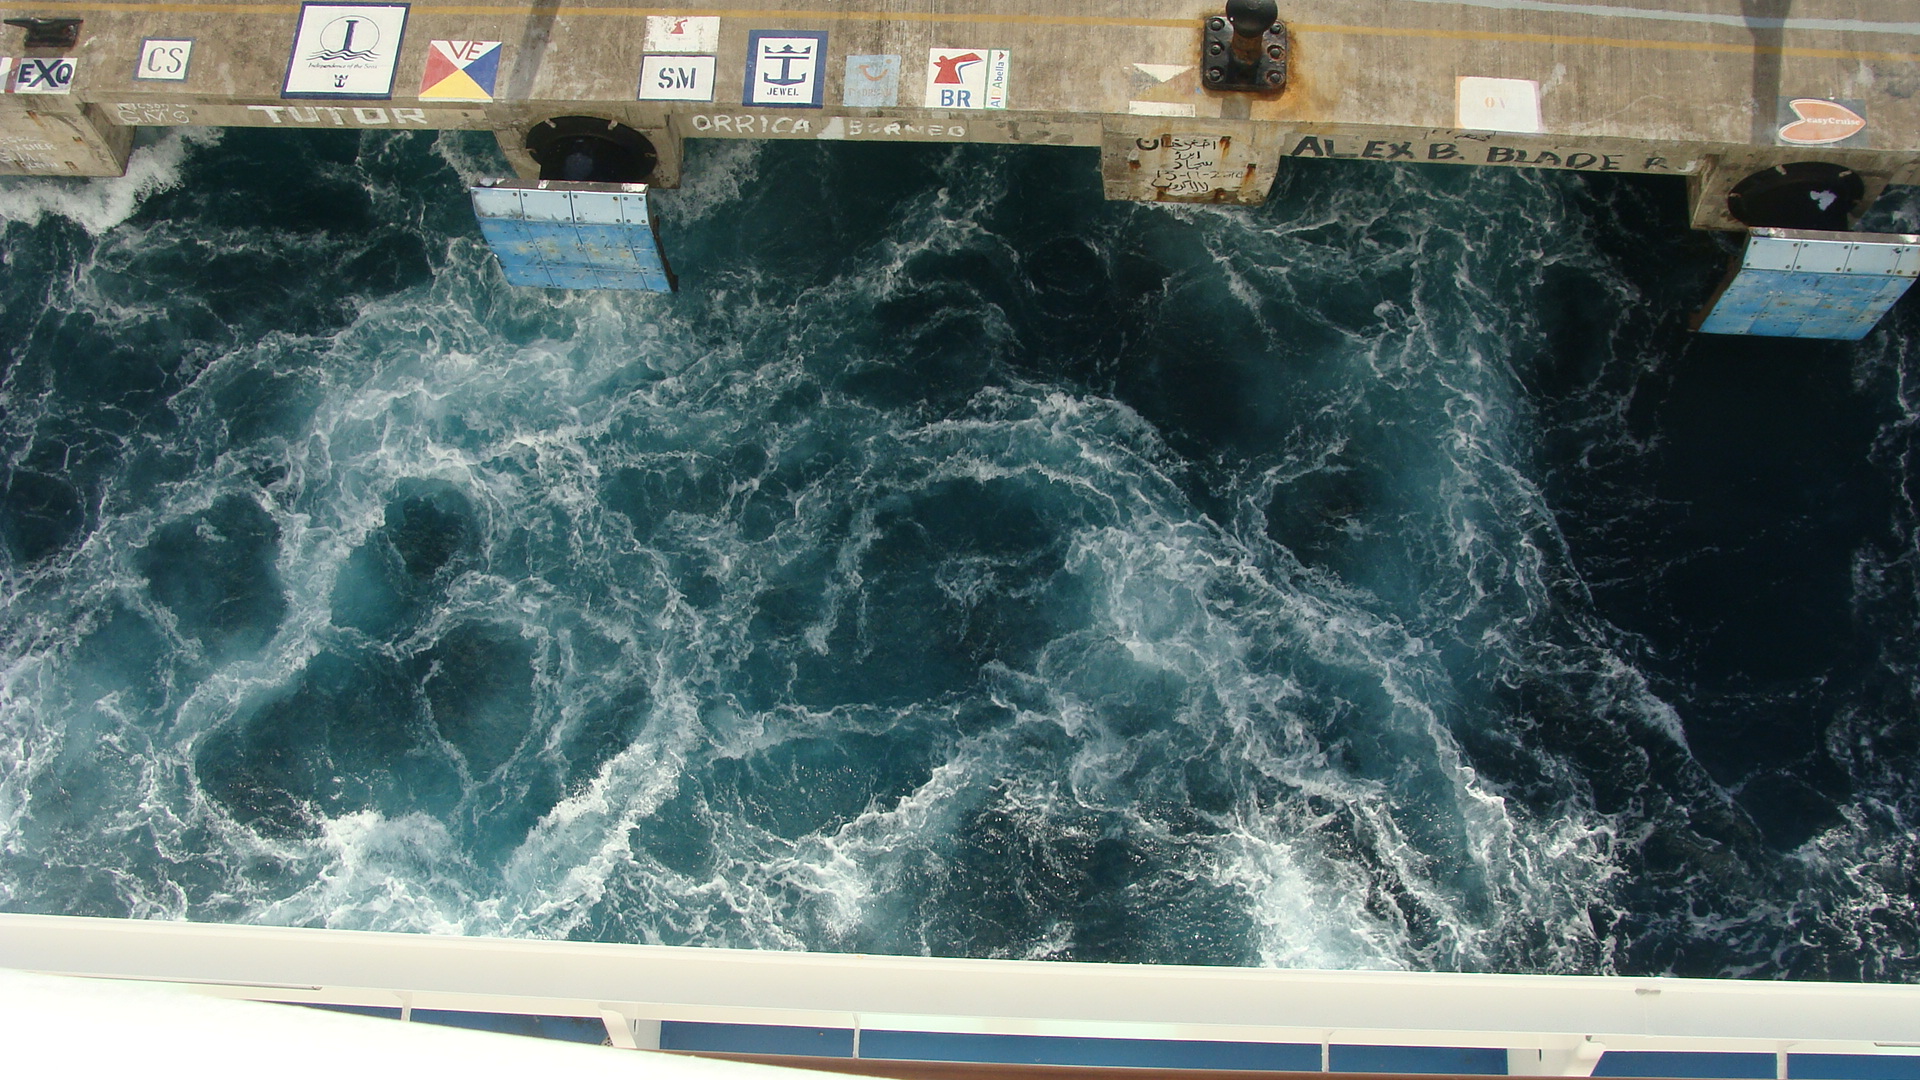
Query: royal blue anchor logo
(783, 68)
(786, 54)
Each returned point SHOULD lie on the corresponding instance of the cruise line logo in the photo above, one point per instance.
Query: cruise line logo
(783, 68)
(947, 69)
(345, 51)
(872, 81)
(967, 78)
(683, 33)
(337, 40)
(1821, 122)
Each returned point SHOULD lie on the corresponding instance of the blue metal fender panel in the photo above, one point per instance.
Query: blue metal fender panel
(1810, 284)
(557, 234)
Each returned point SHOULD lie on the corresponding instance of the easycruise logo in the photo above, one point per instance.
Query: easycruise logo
(1821, 122)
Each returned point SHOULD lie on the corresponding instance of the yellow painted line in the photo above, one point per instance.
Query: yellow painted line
(176, 9)
(1009, 19)
(796, 15)
(535, 8)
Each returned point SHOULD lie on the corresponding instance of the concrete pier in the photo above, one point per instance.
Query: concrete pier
(1713, 90)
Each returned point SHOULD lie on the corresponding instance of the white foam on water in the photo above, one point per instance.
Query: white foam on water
(1352, 827)
(380, 873)
(97, 205)
(725, 168)
(472, 160)
(859, 864)
(564, 866)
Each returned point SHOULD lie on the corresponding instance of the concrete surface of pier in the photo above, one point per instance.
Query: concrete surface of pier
(1710, 89)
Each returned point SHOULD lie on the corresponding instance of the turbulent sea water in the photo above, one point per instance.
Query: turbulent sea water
(960, 564)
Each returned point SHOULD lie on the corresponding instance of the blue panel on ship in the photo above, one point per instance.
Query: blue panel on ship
(555, 234)
(1853, 1066)
(1455, 1060)
(1809, 284)
(1709, 1065)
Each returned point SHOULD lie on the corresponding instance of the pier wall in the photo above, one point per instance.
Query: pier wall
(1698, 88)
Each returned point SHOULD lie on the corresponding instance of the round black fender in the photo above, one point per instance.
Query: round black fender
(1798, 195)
(591, 148)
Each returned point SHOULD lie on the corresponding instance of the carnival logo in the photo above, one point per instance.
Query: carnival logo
(1821, 122)
(948, 68)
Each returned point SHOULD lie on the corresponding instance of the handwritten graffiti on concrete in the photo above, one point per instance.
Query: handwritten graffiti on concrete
(1194, 166)
(27, 153)
(831, 127)
(753, 124)
(167, 113)
(361, 117)
(1493, 154)
(894, 129)
(151, 113)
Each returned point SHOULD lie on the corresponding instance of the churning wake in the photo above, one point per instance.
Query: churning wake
(1382, 577)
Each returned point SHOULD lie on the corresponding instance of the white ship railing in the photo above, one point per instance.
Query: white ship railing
(1549, 1024)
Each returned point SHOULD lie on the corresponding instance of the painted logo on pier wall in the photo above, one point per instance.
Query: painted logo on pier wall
(872, 81)
(967, 78)
(784, 68)
(1821, 122)
(683, 34)
(345, 51)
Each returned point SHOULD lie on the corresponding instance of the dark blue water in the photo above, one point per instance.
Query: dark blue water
(960, 564)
